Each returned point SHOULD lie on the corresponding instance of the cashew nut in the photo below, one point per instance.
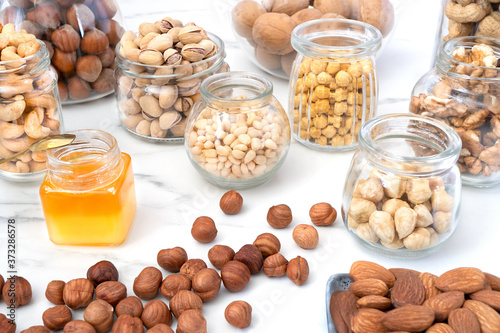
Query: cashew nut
(15, 167)
(13, 109)
(15, 86)
(33, 126)
(10, 130)
(16, 145)
(39, 156)
(4, 152)
(37, 166)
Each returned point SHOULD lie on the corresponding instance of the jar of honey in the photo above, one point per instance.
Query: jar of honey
(88, 193)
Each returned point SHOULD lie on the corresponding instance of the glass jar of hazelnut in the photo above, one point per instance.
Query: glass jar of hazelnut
(403, 189)
(334, 87)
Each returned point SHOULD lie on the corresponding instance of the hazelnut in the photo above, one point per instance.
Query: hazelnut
(268, 244)
(105, 82)
(298, 270)
(239, 314)
(113, 31)
(47, 15)
(55, 318)
(66, 38)
(88, 67)
(185, 300)
(130, 305)
(173, 283)
(172, 259)
(102, 271)
(64, 61)
(191, 267)
(94, 41)
(54, 292)
(111, 291)
(80, 17)
(79, 326)
(63, 90)
(6, 325)
(78, 293)
(128, 324)
(322, 214)
(275, 265)
(206, 284)
(147, 283)
(36, 329)
(204, 230)
(2, 281)
(161, 328)
(16, 291)
(191, 321)
(99, 314)
(279, 216)
(78, 88)
(104, 9)
(306, 236)
(272, 31)
(107, 57)
(156, 312)
(231, 202)
(235, 275)
(251, 256)
(219, 255)
(244, 15)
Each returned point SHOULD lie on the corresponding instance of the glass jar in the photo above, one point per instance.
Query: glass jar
(80, 37)
(238, 134)
(403, 189)
(154, 101)
(334, 87)
(29, 110)
(464, 93)
(88, 194)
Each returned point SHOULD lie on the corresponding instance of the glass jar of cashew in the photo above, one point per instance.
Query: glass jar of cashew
(403, 189)
(238, 134)
(333, 86)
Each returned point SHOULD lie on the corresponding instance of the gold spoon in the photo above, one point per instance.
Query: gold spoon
(43, 144)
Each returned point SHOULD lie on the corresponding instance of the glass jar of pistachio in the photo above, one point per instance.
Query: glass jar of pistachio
(334, 88)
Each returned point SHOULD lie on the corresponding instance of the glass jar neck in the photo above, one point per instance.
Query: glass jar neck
(409, 144)
(32, 65)
(93, 160)
(236, 90)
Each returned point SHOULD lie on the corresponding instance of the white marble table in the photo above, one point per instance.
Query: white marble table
(170, 195)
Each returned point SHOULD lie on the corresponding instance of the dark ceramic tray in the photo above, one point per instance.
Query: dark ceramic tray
(336, 282)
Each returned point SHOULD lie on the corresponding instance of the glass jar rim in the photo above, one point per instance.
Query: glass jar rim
(42, 56)
(303, 44)
(447, 157)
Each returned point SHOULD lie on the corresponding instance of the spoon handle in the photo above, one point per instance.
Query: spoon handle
(16, 155)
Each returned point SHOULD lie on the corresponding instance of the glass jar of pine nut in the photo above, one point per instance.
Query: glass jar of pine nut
(238, 134)
(333, 89)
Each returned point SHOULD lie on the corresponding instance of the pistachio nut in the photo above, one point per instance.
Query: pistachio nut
(150, 106)
(197, 68)
(151, 57)
(125, 84)
(168, 96)
(163, 26)
(178, 129)
(208, 46)
(193, 52)
(172, 57)
(146, 39)
(129, 107)
(160, 43)
(183, 104)
(156, 130)
(162, 71)
(184, 69)
(145, 28)
(175, 23)
(169, 119)
(188, 87)
(131, 121)
(137, 93)
(174, 33)
(190, 35)
(143, 128)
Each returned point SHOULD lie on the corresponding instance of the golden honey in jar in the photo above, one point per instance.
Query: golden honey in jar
(88, 193)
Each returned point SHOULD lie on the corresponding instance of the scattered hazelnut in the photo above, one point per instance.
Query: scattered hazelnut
(161, 328)
(173, 283)
(268, 244)
(147, 283)
(298, 270)
(94, 41)
(191, 321)
(306, 236)
(219, 255)
(156, 312)
(322, 214)
(172, 259)
(239, 314)
(130, 305)
(79, 326)
(54, 292)
(16, 291)
(231, 202)
(185, 300)
(191, 267)
(56, 317)
(102, 271)
(99, 314)
(129, 324)
(206, 284)
(36, 329)
(88, 67)
(279, 216)
(235, 275)
(251, 256)
(204, 230)
(2, 281)
(111, 291)
(6, 325)
(78, 293)
(275, 265)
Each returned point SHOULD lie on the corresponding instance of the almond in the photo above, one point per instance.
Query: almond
(493, 280)
(489, 319)
(368, 320)
(444, 303)
(463, 321)
(440, 328)
(409, 318)
(342, 309)
(365, 270)
(408, 289)
(466, 279)
(400, 271)
(367, 287)
(488, 297)
(429, 282)
(375, 302)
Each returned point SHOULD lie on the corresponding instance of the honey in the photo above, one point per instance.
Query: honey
(88, 194)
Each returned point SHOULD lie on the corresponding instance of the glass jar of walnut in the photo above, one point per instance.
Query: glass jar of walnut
(334, 88)
(463, 90)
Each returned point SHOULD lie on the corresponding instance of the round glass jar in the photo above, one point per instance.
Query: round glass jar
(154, 101)
(29, 110)
(403, 189)
(80, 36)
(334, 87)
(88, 193)
(463, 90)
(238, 134)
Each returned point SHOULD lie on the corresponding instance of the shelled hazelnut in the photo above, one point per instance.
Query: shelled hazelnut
(16, 291)
(251, 256)
(78, 293)
(191, 267)
(298, 270)
(54, 292)
(6, 325)
(275, 265)
(127, 323)
(79, 326)
(111, 291)
(306, 236)
(147, 283)
(204, 229)
(57, 317)
(191, 321)
(173, 283)
(239, 314)
(231, 202)
(102, 271)
(172, 259)
(35, 329)
(268, 244)
(130, 305)
(279, 216)
(235, 275)
(185, 300)
(100, 315)
(219, 255)
(156, 312)
(322, 214)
